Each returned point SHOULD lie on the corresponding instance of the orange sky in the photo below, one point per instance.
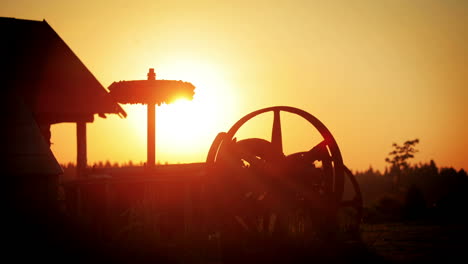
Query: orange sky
(374, 72)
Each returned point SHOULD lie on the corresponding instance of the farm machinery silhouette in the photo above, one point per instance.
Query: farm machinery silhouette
(262, 190)
(247, 190)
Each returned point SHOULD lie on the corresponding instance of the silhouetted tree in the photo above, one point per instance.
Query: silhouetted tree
(401, 154)
(398, 158)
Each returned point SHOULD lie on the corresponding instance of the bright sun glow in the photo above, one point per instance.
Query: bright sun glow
(184, 128)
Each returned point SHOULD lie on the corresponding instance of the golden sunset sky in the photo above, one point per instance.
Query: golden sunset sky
(374, 72)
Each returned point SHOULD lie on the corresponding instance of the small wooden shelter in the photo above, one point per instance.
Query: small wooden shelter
(38, 67)
(44, 83)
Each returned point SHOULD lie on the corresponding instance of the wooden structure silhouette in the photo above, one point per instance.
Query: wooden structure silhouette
(40, 68)
(45, 84)
(151, 92)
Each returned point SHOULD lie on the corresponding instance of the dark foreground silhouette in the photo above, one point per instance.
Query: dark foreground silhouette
(61, 239)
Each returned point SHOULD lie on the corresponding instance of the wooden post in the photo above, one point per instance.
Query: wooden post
(81, 152)
(151, 155)
(151, 135)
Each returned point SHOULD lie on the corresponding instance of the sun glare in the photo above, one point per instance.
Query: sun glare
(184, 129)
(183, 123)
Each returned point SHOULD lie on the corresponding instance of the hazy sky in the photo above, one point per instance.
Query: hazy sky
(374, 72)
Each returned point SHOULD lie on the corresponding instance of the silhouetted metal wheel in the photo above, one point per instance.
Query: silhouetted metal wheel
(261, 194)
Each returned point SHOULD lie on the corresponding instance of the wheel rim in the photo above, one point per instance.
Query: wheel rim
(276, 140)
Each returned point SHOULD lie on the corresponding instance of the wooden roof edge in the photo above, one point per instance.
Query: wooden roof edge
(117, 109)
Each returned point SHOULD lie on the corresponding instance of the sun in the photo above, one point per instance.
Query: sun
(185, 129)
(182, 124)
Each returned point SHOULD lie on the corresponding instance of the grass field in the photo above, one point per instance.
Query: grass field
(417, 242)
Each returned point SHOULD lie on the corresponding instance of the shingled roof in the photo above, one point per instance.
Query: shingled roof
(52, 81)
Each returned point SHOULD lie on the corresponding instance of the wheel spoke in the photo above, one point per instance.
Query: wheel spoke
(276, 136)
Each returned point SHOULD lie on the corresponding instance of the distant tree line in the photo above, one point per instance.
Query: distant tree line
(413, 192)
(109, 164)
(70, 167)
